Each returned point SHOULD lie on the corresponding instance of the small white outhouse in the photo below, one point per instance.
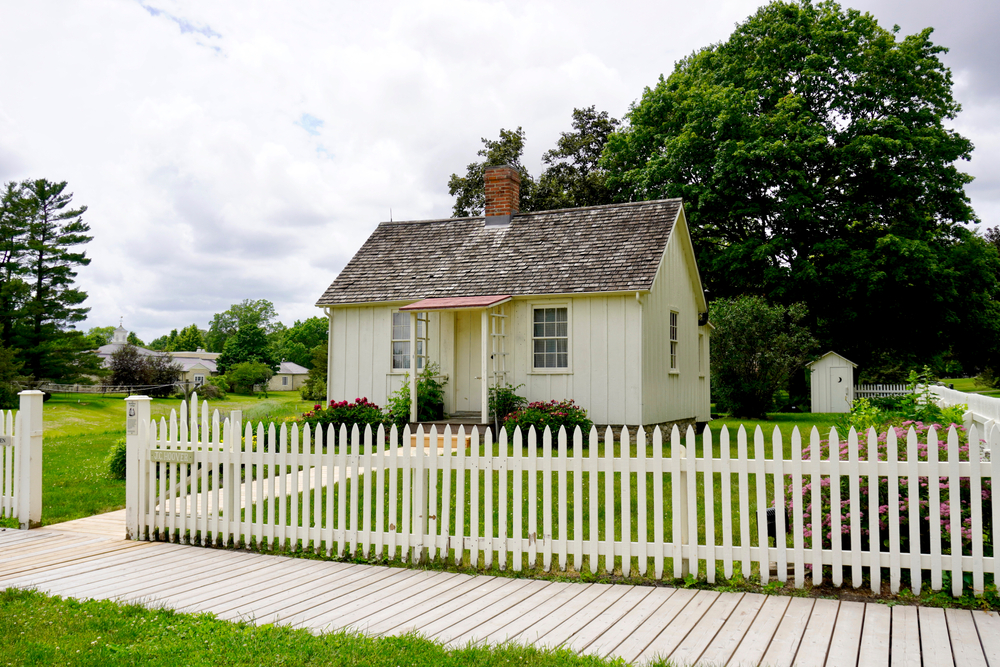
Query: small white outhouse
(832, 380)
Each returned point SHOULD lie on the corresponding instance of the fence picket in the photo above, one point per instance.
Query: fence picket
(853, 472)
(518, 509)
(658, 515)
(394, 467)
(563, 498)
(676, 514)
(293, 494)
(874, 516)
(836, 534)
(708, 454)
(609, 501)
(815, 502)
(994, 446)
(760, 486)
(502, 495)
(913, 491)
(532, 467)
(488, 527)
(625, 487)
(640, 493)
(690, 503)
(934, 486)
(798, 534)
(892, 456)
(444, 516)
(343, 447)
(547, 472)
(726, 481)
(954, 513)
(461, 464)
(975, 492)
(780, 541)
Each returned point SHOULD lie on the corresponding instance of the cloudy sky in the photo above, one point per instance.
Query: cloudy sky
(245, 149)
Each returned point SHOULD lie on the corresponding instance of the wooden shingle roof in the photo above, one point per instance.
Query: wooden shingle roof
(610, 248)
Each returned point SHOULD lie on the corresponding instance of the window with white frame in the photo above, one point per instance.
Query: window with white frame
(401, 340)
(284, 380)
(701, 354)
(199, 380)
(550, 337)
(673, 340)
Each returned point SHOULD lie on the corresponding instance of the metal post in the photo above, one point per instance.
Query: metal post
(137, 411)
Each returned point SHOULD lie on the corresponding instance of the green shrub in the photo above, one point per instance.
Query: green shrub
(313, 389)
(505, 400)
(430, 398)
(219, 381)
(552, 414)
(116, 459)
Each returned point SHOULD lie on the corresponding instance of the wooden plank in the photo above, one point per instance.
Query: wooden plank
(815, 640)
(758, 637)
(408, 618)
(530, 609)
(701, 635)
(662, 633)
(586, 634)
(934, 639)
(446, 626)
(846, 640)
(875, 635)
(466, 626)
(965, 644)
(785, 643)
(93, 569)
(561, 595)
(564, 620)
(347, 613)
(726, 641)
(905, 649)
(988, 625)
(645, 612)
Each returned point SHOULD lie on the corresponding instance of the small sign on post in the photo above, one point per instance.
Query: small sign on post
(6, 441)
(132, 418)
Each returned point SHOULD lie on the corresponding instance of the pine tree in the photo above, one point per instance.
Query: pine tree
(54, 229)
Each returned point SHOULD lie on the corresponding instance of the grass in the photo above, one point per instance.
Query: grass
(968, 385)
(80, 430)
(48, 630)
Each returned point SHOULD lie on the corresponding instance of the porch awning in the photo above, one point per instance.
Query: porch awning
(458, 302)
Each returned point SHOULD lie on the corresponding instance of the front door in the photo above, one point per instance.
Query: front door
(468, 361)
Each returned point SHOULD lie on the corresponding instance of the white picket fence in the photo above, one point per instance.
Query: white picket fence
(983, 411)
(881, 390)
(451, 502)
(21, 460)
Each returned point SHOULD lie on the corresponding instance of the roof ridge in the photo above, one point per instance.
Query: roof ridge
(645, 202)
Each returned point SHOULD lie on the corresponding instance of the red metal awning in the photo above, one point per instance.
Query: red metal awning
(458, 302)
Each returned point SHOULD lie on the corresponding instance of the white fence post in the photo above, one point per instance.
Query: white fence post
(29, 454)
(137, 411)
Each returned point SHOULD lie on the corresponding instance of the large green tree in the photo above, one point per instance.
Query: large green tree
(296, 343)
(248, 344)
(814, 158)
(249, 312)
(469, 190)
(189, 339)
(573, 176)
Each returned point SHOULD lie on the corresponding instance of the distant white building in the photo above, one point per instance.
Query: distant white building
(832, 382)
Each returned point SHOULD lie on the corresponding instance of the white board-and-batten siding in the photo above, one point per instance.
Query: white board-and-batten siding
(681, 393)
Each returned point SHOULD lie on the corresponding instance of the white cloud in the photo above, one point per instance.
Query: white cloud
(237, 150)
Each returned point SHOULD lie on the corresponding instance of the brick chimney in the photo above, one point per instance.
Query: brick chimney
(503, 193)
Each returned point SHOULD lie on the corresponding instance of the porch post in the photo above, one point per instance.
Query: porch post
(413, 366)
(486, 358)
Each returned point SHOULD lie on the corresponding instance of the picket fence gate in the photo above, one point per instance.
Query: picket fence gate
(176, 493)
(881, 390)
(21, 460)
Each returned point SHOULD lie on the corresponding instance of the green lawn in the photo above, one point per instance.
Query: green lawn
(969, 385)
(45, 630)
(81, 428)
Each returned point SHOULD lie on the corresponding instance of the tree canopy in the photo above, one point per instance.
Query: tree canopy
(248, 344)
(40, 239)
(812, 154)
(249, 312)
(573, 176)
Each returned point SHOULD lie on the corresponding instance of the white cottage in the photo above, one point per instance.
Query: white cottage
(603, 305)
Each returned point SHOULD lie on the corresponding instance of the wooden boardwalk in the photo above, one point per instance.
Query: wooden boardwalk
(89, 559)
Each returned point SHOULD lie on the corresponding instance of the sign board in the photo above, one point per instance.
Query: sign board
(6, 441)
(131, 417)
(170, 456)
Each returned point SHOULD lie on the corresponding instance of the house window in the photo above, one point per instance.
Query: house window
(401, 340)
(673, 340)
(284, 381)
(550, 337)
(199, 380)
(701, 354)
